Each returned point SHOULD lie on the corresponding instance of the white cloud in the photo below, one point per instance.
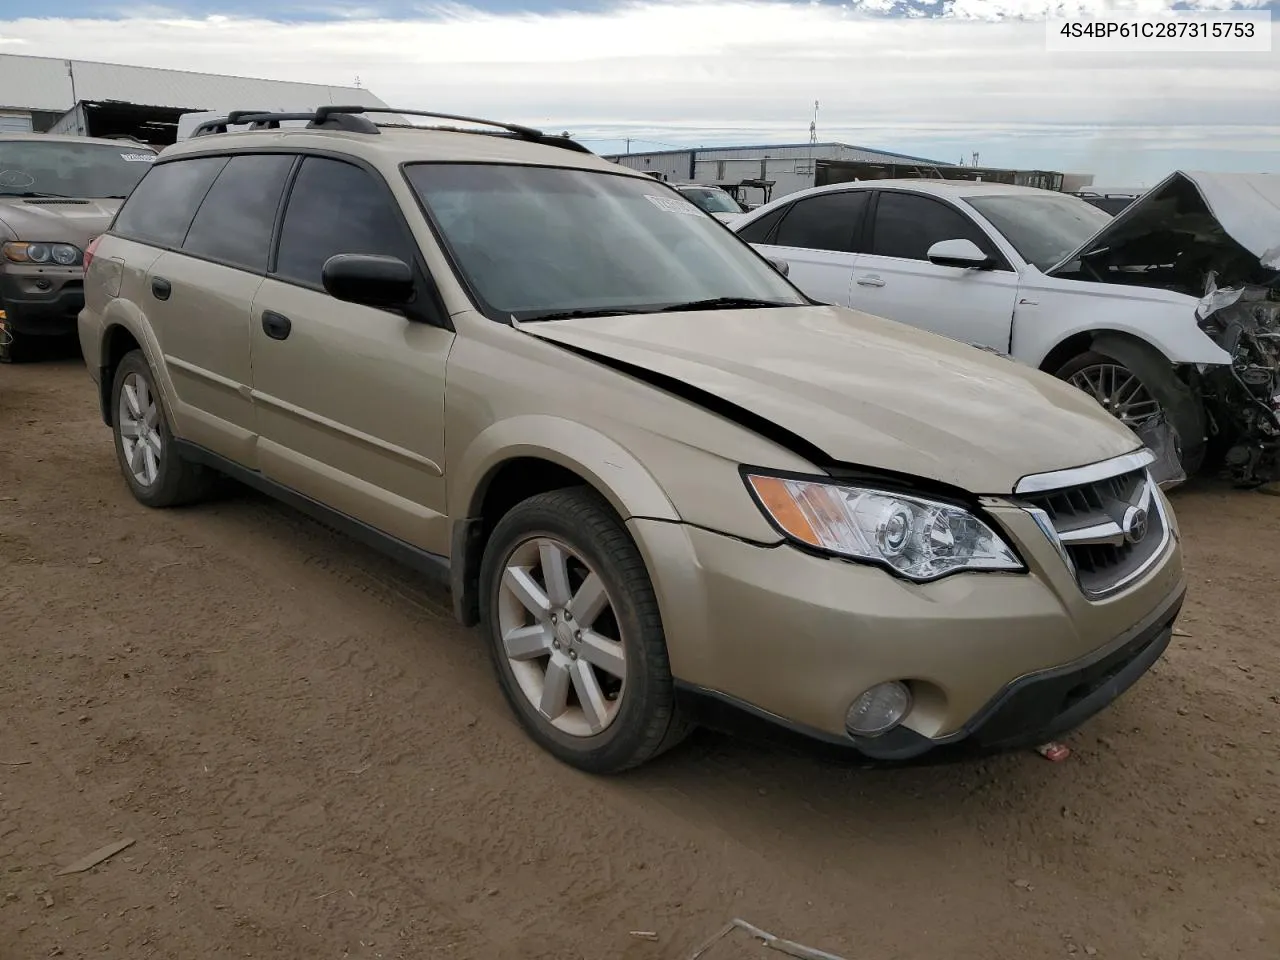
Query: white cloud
(727, 70)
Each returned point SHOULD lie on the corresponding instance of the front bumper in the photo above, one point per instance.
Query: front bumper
(42, 303)
(993, 660)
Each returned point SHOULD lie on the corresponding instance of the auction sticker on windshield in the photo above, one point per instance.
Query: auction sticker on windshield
(674, 205)
(138, 157)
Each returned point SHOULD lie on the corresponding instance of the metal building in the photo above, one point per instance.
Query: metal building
(790, 166)
(48, 95)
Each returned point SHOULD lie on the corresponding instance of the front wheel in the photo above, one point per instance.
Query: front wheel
(1134, 383)
(573, 629)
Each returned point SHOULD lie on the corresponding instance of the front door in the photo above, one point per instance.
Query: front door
(350, 399)
(895, 278)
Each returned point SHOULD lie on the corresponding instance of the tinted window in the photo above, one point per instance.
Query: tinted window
(62, 168)
(907, 225)
(160, 209)
(825, 222)
(234, 223)
(334, 208)
(757, 231)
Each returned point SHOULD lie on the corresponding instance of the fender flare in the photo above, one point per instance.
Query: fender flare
(124, 314)
(614, 473)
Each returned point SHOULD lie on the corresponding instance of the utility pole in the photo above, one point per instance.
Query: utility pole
(813, 139)
(628, 144)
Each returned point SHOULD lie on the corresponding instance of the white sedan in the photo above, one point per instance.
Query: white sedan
(1166, 312)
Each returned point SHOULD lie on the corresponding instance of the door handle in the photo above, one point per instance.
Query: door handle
(870, 280)
(161, 288)
(275, 325)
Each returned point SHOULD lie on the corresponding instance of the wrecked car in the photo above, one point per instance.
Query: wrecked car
(1167, 314)
(659, 478)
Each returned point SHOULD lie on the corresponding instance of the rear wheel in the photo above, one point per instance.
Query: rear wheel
(155, 471)
(1134, 383)
(574, 632)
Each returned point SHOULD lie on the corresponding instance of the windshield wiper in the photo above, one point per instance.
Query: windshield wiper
(576, 314)
(728, 303)
(34, 193)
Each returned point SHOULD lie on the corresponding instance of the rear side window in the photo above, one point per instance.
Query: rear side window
(758, 230)
(825, 222)
(235, 220)
(162, 205)
(907, 225)
(336, 207)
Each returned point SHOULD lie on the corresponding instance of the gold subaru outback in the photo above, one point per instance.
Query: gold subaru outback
(658, 476)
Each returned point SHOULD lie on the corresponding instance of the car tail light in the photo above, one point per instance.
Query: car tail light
(88, 251)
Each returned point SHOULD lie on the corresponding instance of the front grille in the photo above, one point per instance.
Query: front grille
(1093, 523)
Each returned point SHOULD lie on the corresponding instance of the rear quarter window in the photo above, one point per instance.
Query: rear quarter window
(161, 207)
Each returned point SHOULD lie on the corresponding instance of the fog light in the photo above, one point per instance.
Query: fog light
(878, 710)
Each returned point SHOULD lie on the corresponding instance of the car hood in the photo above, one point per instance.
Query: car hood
(57, 220)
(864, 391)
(1228, 221)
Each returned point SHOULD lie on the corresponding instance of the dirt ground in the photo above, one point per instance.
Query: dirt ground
(314, 761)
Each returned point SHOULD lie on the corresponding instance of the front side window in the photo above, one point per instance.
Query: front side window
(162, 207)
(1043, 228)
(60, 168)
(907, 225)
(535, 242)
(334, 208)
(235, 220)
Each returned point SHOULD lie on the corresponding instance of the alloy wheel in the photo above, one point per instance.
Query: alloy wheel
(561, 637)
(139, 417)
(1119, 391)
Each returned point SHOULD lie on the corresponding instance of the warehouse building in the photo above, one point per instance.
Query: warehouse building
(756, 174)
(790, 166)
(81, 97)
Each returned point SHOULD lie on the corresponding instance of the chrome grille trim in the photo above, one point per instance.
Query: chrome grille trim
(1087, 523)
(1090, 473)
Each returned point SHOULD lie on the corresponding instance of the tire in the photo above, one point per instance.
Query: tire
(1183, 410)
(581, 527)
(174, 481)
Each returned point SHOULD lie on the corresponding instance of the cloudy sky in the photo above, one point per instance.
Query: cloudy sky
(932, 78)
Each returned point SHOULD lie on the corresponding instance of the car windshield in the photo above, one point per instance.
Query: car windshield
(60, 168)
(711, 199)
(538, 242)
(1042, 228)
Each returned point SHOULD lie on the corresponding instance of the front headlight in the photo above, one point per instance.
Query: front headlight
(62, 254)
(917, 538)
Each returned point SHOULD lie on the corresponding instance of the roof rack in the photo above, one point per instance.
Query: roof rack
(353, 120)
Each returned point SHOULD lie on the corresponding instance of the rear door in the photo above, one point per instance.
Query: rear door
(894, 278)
(816, 237)
(207, 223)
(350, 398)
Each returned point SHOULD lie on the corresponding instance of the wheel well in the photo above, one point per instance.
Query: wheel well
(117, 342)
(1079, 343)
(509, 483)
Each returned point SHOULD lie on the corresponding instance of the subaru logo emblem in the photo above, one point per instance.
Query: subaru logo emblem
(1135, 524)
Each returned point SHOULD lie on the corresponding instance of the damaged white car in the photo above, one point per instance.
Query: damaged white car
(1169, 313)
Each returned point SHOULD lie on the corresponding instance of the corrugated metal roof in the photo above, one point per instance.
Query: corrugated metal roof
(827, 150)
(43, 83)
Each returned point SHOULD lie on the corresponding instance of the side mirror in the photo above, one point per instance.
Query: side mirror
(781, 266)
(959, 253)
(368, 279)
